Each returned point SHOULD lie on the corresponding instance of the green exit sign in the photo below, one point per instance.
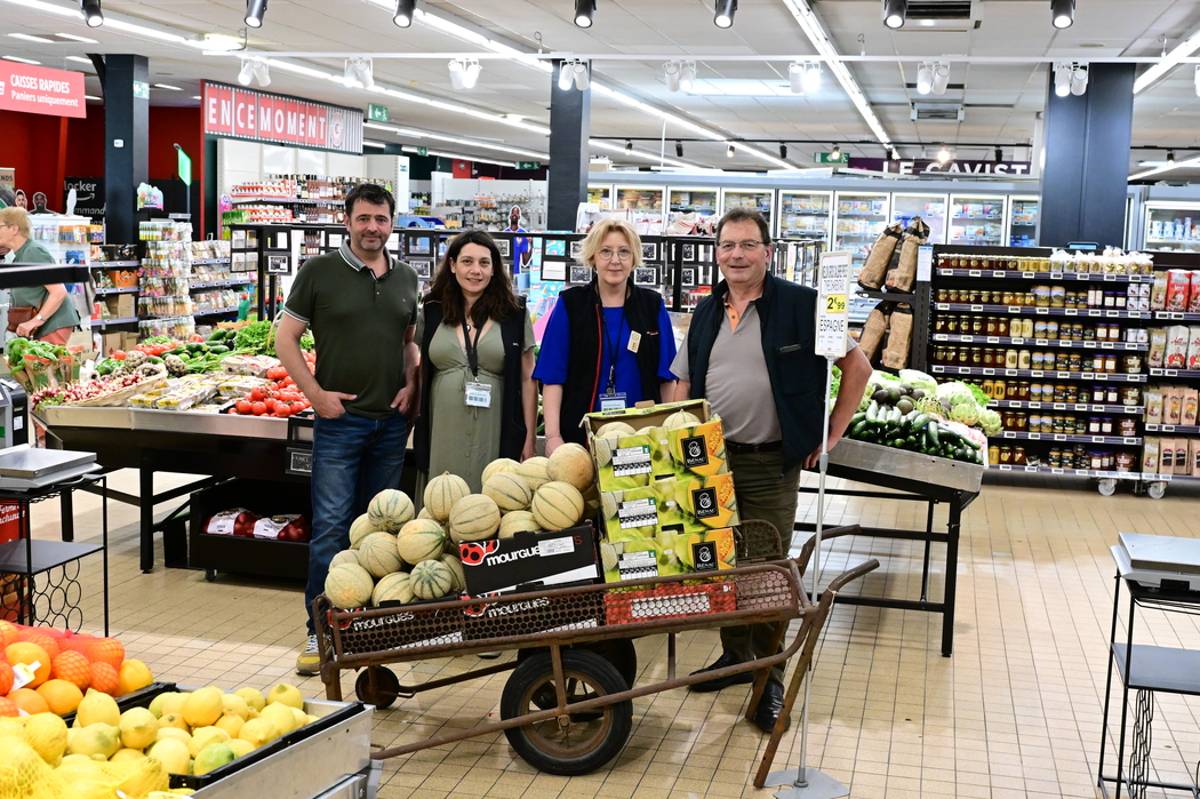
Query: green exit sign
(422, 151)
(377, 113)
(828, 158)
(529, 165)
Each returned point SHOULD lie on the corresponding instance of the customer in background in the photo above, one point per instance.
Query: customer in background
(476, 365)
(522, 247)
(41, 312)
(361, 305)
(608, 344)
(749, 352)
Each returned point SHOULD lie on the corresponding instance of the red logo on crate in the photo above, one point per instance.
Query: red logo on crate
(473, 554)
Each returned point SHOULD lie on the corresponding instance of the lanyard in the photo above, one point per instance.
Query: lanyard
(472, 348)
(612, 349)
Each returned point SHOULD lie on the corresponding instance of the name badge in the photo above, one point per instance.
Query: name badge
(635, 341)
(479, 395)
(612, 402)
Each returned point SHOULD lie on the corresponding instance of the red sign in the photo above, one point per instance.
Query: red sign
(41, 90)
(239, 113)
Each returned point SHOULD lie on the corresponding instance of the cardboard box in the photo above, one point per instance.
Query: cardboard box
(506, 617)
(126, 306)
(669, 602)
(691, 505)
(648, 451)
(1194, 456)
(668, 553)
(530, 560)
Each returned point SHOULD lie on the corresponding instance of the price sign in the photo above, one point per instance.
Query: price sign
(999, 273)
(1166, 428)
(1107, 345)
(976, 308)
(967, 339)
(1014, 309)
(1056, 275)
(993, 339)
(833, 320)
(1011, 372)
(1110, 278)
(1059, 437)
(989, 371)
(1036, 436)
(1041, 342)
(1042, 311)
(1060, 406)
(1017, 340)
(1037, 373)
(1071, 312)
(1093, 312)
(974, 273)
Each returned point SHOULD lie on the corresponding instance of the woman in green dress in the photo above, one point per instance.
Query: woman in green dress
(478, 400)
(41, 312)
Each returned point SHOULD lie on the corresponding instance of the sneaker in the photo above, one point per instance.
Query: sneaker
(308, 662)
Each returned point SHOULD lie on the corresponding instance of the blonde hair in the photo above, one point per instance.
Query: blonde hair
(16, 216)
(600, 231)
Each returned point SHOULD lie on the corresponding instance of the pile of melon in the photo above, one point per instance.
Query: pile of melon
(399, 556)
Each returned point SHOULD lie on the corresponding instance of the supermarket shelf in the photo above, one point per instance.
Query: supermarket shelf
(1181, 429)
(1190, 374)
(892, 296)
(1034, 310)
(984, 371)
(1072, 472)
(115, 264)
(132, 320)
(1190, 242)
(289, 200)
(1081, 407)
(993, 219)
(113, 291)
(862, 216)
(1116, 346)
(219, 312)
(1177, 316)
(1126, 441)
(218, 284)
(977, 242)
(1016, 274)
(207, 261)
(1169, 478)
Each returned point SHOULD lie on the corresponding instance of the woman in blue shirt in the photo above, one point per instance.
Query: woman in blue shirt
(608, 344)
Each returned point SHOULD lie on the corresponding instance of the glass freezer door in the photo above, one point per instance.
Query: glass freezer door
(930, 207)
(1023, 221)
(805, 215)
(601, 194)
(692, 212)
(977, 219)
(1173, 226)
(860, 219)
(762, 201)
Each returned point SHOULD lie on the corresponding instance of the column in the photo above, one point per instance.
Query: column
(1087, 159)
(570, 112)
(125, 79)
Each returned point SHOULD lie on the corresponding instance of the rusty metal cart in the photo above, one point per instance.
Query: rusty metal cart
(566, 708)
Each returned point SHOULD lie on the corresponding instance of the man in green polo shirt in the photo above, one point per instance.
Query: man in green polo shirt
(361, 306)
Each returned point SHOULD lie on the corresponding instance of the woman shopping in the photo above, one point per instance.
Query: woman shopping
(41, 312)
(478, 401)
(608, 344)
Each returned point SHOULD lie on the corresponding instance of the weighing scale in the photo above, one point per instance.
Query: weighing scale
(23, 468)
(1159, 561)
(13, 406)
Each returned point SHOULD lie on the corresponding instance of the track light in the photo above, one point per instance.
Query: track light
(92, 14)
(1079, 79)
(566, 74)
(404, 13)
(835, 153)
(796, 77)
(723, 18)
(629, 145)
(924, 78)
(729, 153)
(246, 73)
(671, 73)
(262, 72)
(687, 76)
(1170, 158)
(999, 155)
(678, 149)
(584, 9)
(812, 78)
(941, 77)
(894, 12)
(895, 155)
(360, 71)
(1062, 79)
(1062, 13)
(783, 151)
(944, 155)
(572, 71)
(581, 76)
(464, 73)
(255, 10)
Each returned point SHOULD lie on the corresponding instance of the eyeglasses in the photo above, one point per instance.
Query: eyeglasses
(609, 254)
(747, 246)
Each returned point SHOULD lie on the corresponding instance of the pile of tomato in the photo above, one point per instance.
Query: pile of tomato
(281, 398)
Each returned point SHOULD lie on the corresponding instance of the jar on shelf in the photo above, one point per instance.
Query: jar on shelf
(1039, 328)
(1011, 358)
(1125, 461)
(1132, 364)
(939, 324)
(952, 325)
(1024, 359)
(1110, 364)
(1055, 458)
(1006, 455)
(1093, 426)
(990, 325)
(1036, 393)
(977, 326)
(1018, 456)
(1131, 396)
(1023, 390)
(1080, 426)
(1037, 360)
(1098, 394)
(1111, 395)
(1058, 297)
(994, 455)
(977, 357)
(1106, 426)
(1027, 328)
(1075, 362)
(1007, 298)
(1041, 296)
(1002, 326)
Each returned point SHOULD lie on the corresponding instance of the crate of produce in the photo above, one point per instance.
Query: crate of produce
(265, 535)
(670, 602)
(635, 446)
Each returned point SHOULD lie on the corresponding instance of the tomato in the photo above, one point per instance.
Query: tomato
(259, 409)
(257, 395)
(297, 407)
(270, 403)
(283, 411)
(244, 407)
(119, 355)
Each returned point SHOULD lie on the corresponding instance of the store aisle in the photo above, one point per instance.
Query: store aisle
(1015, 713)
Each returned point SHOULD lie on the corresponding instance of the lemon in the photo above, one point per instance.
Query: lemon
(97, 707)
(280, 716)
(138, 728)
(172, 732)
(235, 705)
(157, 704)
(253, 698)
(286, 694)
(94, 739)
(240, 747)
(47, 734)
(231, 723)
(202, 708)
(205, 736)
(173, 754)
(212, 757)
(258, 732)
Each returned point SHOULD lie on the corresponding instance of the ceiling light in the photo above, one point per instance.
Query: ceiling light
(894, 12)
(678, 149)
(723, 18)
(464, 73)
(1170, 158)
(29, 37)
(796, 77)
(928, 23)
(582, 78)
(21, 60)
(924, 78)
(687, 76)
(944, 155)
(92, 14)
(78, 59)
(566, 74)
(404, 13)
(729, 153)
(629, 145)
(1079, 79)
(1062, 13)
(941, 77)
(93, 98)
(360, 71)
(835, 153)
(812, 78)
(73, 38)
(1062, 79)
(220, 43)
(895, 154)
(197, 97)
(255, 9)
(458, 156)
(783, 151)
(167, 86)
(584, 9)
(262, 72)
(378, 145)
(671, 71)
(246, 72)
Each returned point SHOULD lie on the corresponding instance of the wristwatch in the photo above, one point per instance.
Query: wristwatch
(40, 318)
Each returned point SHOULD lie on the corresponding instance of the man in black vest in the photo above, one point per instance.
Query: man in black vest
(750, 353)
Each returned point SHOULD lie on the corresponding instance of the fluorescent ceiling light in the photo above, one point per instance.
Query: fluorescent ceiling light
(376, 144)
(410, 149)
(412, 133)
(29, 37)
(197, 97)
(166, 86)
(79, 59)
(1159, 170)
(220, 43)
(21, 60)
(93, 97)
(1183, 50)
(72, 37)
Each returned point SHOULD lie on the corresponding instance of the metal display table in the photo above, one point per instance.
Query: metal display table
(911, 477)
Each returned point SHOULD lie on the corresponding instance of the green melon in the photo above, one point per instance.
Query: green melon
(395, 587)
(348, 586)
(572, 464)
(681, 419)
(557, 506)
(535, 471)
(442, 492)
(474, 518)
(425, 514)
(431, 579)
(498, 466)
(377, 554)
(614, 430)
(390, 510)
(517, 521)
(420, 539)
(360, 529)
(345, 556)
(509, 491)
(455, 566)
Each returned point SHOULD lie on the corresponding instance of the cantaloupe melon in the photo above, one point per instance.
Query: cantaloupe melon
(535, 471)
(345, 556)
(360, 529)
(681, 419)
(456, 568)
(425, 514)
(390, 510)
(420, 539)
(396, 587)
(498, 466)
(614, 430)
(442, 492)
(509, 491)
(474, 518)
(377, 554)
(431, 579)
(348, 586)
(517, 521)
(572, 464)
(557, 506)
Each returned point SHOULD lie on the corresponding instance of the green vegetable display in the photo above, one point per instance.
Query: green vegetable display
(900, 416)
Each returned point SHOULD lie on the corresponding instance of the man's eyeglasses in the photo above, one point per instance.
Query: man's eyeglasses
(746, 246)
(609, 254)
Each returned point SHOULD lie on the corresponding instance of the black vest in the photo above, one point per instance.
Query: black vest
(512, 414)
(583, 308)
(787, 316)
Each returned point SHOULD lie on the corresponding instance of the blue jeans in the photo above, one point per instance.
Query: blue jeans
(354, 458)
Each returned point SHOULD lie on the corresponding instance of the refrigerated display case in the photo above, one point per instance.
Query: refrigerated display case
(930, 207)
(1172, 226)
(761, 200)
(805, 215)
(977, 219)
(692, 211)
(600, 194)
(640, 198)
(861, 217)
(1023, 217)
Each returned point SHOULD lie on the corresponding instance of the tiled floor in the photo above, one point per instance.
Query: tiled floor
(1015, 712)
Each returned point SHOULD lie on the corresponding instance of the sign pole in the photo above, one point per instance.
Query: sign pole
(832, 329)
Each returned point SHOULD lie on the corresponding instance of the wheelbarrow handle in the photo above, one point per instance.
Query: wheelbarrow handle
(850, 575)
(833, 532)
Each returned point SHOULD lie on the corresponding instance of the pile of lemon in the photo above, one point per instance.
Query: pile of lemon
(107, 754)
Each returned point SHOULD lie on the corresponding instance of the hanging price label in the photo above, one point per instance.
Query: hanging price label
(833, 320)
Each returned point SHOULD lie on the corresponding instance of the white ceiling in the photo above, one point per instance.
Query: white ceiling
(1002, 101)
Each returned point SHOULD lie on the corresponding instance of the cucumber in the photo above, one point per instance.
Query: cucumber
(931, 434)
(919, 421)
(858, 428)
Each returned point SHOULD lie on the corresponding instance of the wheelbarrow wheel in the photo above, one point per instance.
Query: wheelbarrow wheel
(581, 743)
(618, 651)
(384, 691)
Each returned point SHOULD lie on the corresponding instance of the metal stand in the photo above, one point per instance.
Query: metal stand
(804, 782)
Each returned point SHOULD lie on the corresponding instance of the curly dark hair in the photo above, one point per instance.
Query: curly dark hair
(498, 301)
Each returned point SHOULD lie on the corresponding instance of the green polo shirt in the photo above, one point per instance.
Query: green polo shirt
(358, 322)
(32, 252)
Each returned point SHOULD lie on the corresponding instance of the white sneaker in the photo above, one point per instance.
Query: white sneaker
(308, 662)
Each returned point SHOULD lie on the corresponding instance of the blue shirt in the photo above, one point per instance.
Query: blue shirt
(520, 246)
(556, 351)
